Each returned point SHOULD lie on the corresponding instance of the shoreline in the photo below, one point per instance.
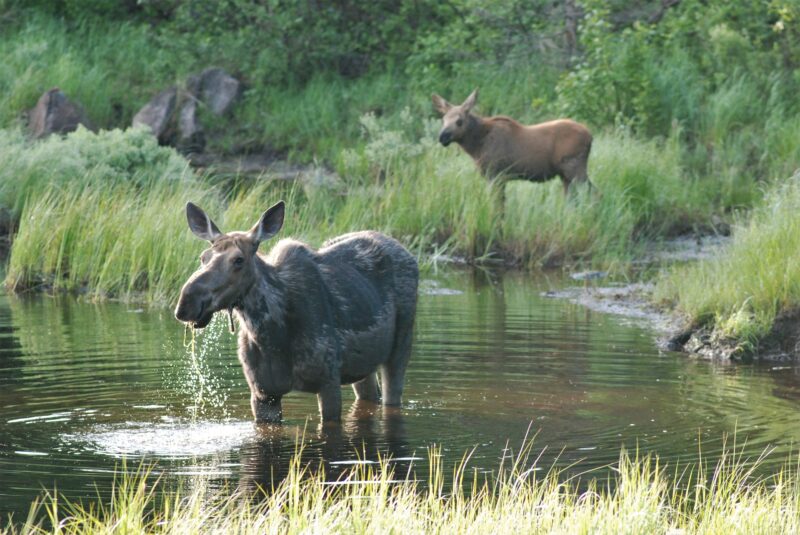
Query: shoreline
(631, 301)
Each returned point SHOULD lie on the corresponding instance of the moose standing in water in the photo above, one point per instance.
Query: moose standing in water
(309, 320)
(502, 146)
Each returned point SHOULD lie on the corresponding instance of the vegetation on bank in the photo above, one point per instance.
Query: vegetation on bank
(694, 109)
(642, 496)
(740, 292)
(103, 213)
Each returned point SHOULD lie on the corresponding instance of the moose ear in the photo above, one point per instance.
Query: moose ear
(471, 100)
(269, 224)
(200, 224)
(440, 104)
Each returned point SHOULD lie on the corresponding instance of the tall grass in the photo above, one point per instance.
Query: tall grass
(103, 213)
(643, 496)
(741, 291)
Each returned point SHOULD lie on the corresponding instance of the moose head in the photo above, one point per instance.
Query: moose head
(455, 119)
(227, 269)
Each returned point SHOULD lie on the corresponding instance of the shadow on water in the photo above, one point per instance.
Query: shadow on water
(83, 387)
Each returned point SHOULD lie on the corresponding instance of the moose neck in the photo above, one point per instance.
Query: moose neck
(474, 135)
(262, 310)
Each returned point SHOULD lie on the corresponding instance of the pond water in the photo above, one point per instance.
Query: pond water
(84, 387)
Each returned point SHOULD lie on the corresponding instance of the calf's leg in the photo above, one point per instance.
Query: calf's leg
(574, 170)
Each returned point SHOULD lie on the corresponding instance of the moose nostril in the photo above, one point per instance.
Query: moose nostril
(444, 138)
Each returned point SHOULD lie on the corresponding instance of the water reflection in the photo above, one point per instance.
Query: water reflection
(83, 386)
(368, 432)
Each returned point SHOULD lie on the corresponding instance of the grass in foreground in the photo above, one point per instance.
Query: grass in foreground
(741, 291)
(643, 496)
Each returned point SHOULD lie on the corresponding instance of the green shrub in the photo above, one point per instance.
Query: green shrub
(82, 159)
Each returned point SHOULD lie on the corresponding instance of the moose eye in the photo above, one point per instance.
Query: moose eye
(459, 122)
(238, 261)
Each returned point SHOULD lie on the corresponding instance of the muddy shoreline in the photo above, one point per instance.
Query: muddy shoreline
(634, 303)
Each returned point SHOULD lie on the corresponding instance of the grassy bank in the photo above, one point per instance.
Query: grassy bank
(643, 496)
(740, 293)
(683, 137)
(103, 213)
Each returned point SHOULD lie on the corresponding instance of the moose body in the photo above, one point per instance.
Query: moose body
(501, 146)
(309, 320)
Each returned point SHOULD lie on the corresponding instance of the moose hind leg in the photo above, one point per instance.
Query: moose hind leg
(329, 400)
(367, 388)
(574, 170)
(394, 371)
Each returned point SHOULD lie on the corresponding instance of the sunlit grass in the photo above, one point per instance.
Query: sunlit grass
(642, 495)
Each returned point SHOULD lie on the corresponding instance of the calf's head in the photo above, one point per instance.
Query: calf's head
(227, 268)
(455, 119)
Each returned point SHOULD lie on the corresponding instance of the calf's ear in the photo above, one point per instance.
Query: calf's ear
(200, 224)
(440, 104)
(472, 99)
(269, 224)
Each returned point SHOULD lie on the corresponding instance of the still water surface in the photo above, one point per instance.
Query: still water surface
(83, 387)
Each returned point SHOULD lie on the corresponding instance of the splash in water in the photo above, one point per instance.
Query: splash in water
(196, 375)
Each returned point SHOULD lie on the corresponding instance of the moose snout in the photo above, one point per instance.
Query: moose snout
(190, 310)
(445, 138)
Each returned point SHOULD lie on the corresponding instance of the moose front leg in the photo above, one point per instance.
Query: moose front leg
(329, 399)
(266, 410)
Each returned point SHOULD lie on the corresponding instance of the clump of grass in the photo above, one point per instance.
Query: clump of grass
(741, 291)
(113, 241)
(642, 496)
(642, 193)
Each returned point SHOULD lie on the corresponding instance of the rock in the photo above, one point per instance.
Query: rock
(677, 341)
(588, 275)
(157, 113)
(320, 178)
(191, 138)
(215, 88)
(54, 113)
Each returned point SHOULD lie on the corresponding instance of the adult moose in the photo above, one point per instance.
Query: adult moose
(309, 320)
(503, 147)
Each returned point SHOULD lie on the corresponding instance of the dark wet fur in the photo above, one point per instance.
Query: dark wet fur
(315, 320)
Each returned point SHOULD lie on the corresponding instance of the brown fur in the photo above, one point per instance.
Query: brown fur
(502, 146)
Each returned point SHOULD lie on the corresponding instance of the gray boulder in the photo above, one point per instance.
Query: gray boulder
(157, 113)
(215, 88)
(191, 138)
(54, 113)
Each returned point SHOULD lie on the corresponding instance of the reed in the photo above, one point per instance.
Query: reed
(643, 495)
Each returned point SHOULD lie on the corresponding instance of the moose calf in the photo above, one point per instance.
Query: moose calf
(502, 146)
